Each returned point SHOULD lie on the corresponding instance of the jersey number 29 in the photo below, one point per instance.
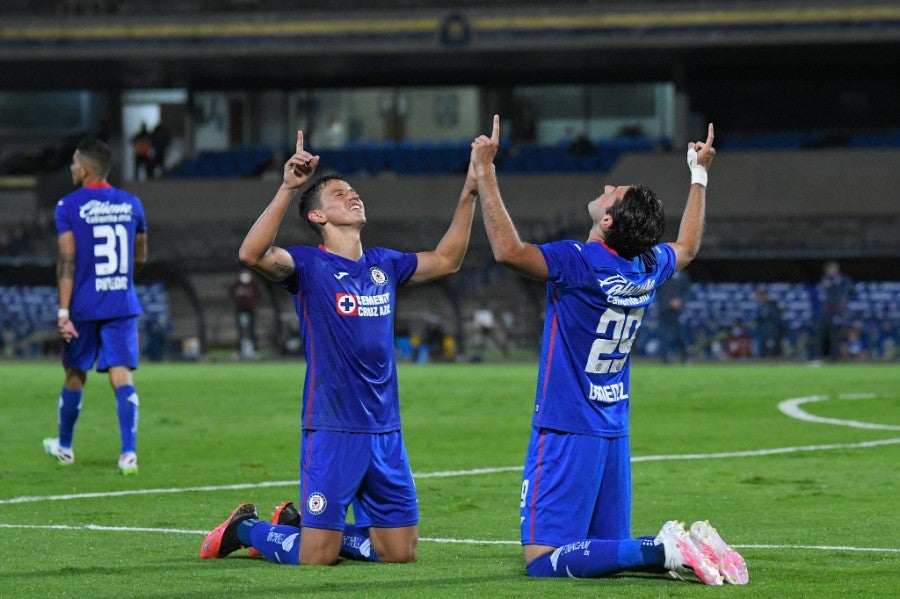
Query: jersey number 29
(624, 328)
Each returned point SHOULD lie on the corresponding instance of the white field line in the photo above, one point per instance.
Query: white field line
(788, 407)
(450, 473)
(791, 408)
(96, 527)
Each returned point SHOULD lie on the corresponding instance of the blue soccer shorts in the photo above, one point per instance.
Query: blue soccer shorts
(109, 343)
(575, 487)
(369, 470)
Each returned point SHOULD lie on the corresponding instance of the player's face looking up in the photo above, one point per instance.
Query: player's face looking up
(341, 203)
(599, 206)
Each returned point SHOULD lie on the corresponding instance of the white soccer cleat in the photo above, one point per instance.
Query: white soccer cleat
(682, 556)
(63, 456)
(727, 560)
(128, 463)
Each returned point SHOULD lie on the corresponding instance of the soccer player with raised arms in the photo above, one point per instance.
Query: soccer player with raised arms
(576, 491)
(102, 242)
(352, 446)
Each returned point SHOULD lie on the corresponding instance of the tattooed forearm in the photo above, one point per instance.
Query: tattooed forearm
(283, 268)
(65, 267)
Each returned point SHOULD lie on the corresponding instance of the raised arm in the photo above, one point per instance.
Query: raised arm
(257, 251)
(508, 249)
(448, 256)
(699, 158)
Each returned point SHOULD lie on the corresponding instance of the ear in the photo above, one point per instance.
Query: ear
(606, 222)
(317, 217)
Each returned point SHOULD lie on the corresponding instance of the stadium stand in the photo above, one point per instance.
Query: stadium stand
(785, 198)
(28, 317)
(713, 308)
(420, 158)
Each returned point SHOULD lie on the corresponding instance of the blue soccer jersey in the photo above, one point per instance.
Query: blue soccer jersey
(346, 312)
(595, 303)
(104, 221)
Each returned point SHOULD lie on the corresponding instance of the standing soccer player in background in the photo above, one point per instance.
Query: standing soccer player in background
(102, 239)
(352, 444)
(576, 492)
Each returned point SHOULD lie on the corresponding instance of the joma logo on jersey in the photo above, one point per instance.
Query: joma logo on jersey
(349, 304)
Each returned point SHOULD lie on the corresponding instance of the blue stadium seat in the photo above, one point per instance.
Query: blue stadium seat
(27, 311)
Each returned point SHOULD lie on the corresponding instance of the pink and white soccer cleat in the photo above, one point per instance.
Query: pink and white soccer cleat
(682, 556)
(727, 560)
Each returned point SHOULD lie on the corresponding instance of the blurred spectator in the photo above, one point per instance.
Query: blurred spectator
(432, 343)
(737, 343)
(524, 124)
(157, 331)
(834, 293)
(245, 293)
(488, 333)
(332, 136)
(886, 341)
(854, 345)
(403, 340)
(768, 323)
(274, 169)
(289, 342)
(160, 140)
(582, 146)
(448, 348)
(672, 297)
(142, 147)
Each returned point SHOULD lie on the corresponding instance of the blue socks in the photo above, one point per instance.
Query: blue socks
(594, 558)
(127, 406)
(357, 545)
(280, 543)
(277, 543)
(69, 409)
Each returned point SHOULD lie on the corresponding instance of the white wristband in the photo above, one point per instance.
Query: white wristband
(63, 313)
(698, 172)
(698, 175)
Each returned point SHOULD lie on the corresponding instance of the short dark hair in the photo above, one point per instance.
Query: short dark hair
(98, 153)
(311, 199)
(639, 221)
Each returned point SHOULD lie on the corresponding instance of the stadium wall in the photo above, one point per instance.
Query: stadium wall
(824, 183)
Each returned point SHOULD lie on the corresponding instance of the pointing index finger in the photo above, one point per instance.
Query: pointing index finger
(495, 134)
(299, 141)
(710, 135)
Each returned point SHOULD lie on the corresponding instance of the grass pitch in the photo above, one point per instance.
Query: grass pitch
(807, 493)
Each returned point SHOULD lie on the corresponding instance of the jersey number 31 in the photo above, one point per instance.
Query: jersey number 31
(111, 244)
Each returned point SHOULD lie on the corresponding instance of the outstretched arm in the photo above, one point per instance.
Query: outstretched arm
(508, 249)
(448, 256)
(699, 157)
(257, 251)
